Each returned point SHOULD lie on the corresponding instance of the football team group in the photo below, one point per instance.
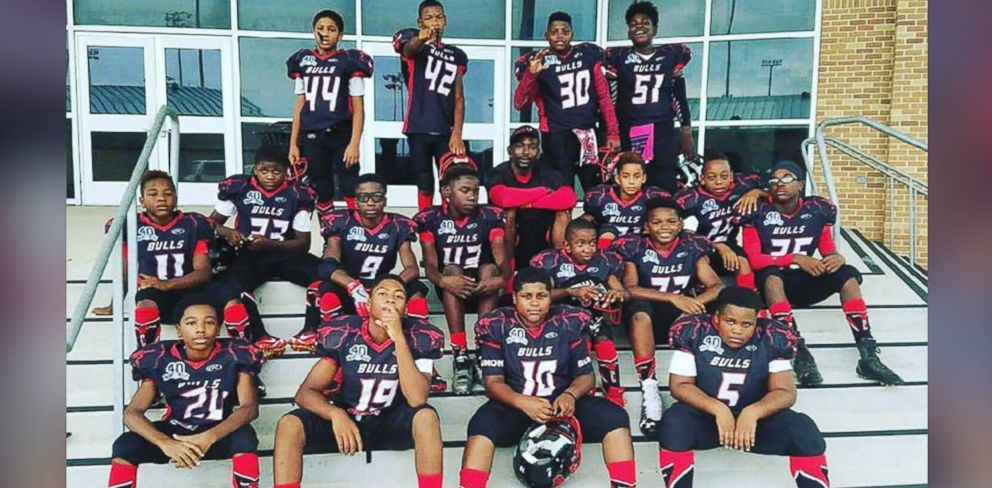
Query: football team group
(548, 290)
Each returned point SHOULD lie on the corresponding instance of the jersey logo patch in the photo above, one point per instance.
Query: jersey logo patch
(711, 343)
(516, 336)
(551, 60)
(356, 234)
(611, 209)
(175, 371)
(308, 61)
(651, 257)
(551, 335)
(447, 227)
(566, 271)
(146, 233)
(358, 352)
(682, 254)
(593, 269)
(280, 199)
(773, 218)
(806, 216)
(750, 348)
(472, 225)
(214, 367)
(632, 59)
(710, 206)
(254, 198)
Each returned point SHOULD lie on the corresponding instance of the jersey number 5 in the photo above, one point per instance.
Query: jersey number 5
(574, 88)
(731, 380)
(440, 82)
(790, 246)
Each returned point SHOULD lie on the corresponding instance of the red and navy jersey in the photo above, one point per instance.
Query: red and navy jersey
(535, 362)
(197, 394)
(325, 84)
(566, 273)
(370, 377)
(674, 272)
(567, 93)
(276, 215)
(615, 215)
(644, 84)
(466, 243)
(367, 254)
(737, 377)
(718, 220)
(799, 233)
(430, 82)
(167, 251)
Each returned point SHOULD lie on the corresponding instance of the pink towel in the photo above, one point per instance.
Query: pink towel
(642, 140)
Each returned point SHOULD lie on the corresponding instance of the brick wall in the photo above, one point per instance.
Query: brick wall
(873, 62)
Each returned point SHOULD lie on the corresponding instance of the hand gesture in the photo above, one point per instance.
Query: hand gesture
(564, 405)
(235, 239)
(730, 259)
(257, 242)
(537, 408)
(427, 34)
(832, 263)
(744, 433)
(611, 297)
(294, 153)
(360, 296)
(537, 62)
(346, 434)
(182, 454)
(725, 425)
(389, 319)
(351, 155)
(688, 305)
(203, 441)
(585, 294)
(489, 286)
(460, 286)
(748, 202)
(813, 267)
(149, 281)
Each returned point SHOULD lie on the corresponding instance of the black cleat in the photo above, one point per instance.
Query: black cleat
(260, 387)
(805, 367)
(461, 384)
(870, 367)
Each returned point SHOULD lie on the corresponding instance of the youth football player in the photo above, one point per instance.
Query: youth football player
(589, 278)
(536, 368)
(435, 112)
(384, 362)
(731, 375)
(619, 209)
(667, 273)
(651, 94)
(568, 86)
(717, 205)
(462, 244)
(329, 112)
(272, 233)
(535, 199)
(203, 379)
(780, 238)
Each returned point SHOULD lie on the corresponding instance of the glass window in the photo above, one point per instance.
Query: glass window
(390, 90)
(479, 98)
(206, 14)
(694, 78)
(676, 18)
(193, 82)
(295, 16)
(256, 135)
(529, 114)
(385, 17)
(266, 91)
(765, 79)
(482, 153)
(70, 180)
(755, 149)
(68, 92)
(117, 80)
(530, 18)
(115, 154)
(201, 158)
(749, 16)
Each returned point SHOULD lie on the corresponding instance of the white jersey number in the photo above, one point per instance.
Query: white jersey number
(326, 86)
(574, 88)
(441, 75)
(539, 379)
(647, 89)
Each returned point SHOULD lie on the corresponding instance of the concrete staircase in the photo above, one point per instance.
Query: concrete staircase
(876, 436)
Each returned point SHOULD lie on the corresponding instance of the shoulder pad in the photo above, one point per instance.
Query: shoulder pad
(362, 63)
(823, 207)
(492, 326)
(575, 319)
(333, 223)
(698, 243)
(402, 36)
(426, 341)
(247, 357)
(144, 361)
(333, 335)
(229, 188)
(685, 332)
(293, 63)
(780, 337)
(406, 227)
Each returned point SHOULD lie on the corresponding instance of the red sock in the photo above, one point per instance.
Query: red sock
(676, 468)
(324, 208)
(747, 281)
(350, 202)
(856, 313)
(424, 201)
(782, 311)
(417, 307)
(458, 340)
(603, 243)
(609, 363)
(146, 325)
(809, 471)
(623, 474)
(287, 485)
(245, 468)
(473, 478)
(236, 320)
(330, 305)
(122, 475)
(645, 367)
(429, 480)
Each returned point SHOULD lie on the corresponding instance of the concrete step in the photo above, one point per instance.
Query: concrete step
(854, 462)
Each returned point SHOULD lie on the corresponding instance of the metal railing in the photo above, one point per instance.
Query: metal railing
(110, 249)
(914, 186)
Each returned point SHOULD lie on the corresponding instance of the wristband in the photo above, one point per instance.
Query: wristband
(327, 267)
(566, 392)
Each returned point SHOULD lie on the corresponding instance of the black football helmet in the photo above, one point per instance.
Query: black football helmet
(608, 163)
(221, 254)
(690, 171)
(548, 453)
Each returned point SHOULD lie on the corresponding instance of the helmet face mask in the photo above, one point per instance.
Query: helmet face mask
(548, 454)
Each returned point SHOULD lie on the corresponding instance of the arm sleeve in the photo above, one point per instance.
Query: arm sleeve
(356, 87)
(225, 208)
(527, 91)
(759, 260)
(303, 221)
(508, 197)
(490, 345)
(299, 88)
(605, 102)
(402, 37)
(407, 229)
(561, 199)
(683, 364)
(680, 102)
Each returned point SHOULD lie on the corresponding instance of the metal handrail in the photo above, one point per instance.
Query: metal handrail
(914, 185)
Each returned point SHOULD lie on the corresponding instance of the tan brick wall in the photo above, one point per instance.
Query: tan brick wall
(873, 62)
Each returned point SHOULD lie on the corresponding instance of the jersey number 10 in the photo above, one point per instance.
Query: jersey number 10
(326, 86)
(539, 377)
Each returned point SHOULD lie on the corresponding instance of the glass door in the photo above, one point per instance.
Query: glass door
(385, 150)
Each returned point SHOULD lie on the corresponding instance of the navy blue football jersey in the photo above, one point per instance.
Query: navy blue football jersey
(674, 272)
(166, 251)
(277, 215)
(370, 377)
(718, 220)
(430, 80)
(737, 377)
(325, 84)
(466, 243)
(798, 233)
(615, 215)
(367, 254)
(566, 273)
(567, 93)
(535, 362)
(197, 394)
(644, 83)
